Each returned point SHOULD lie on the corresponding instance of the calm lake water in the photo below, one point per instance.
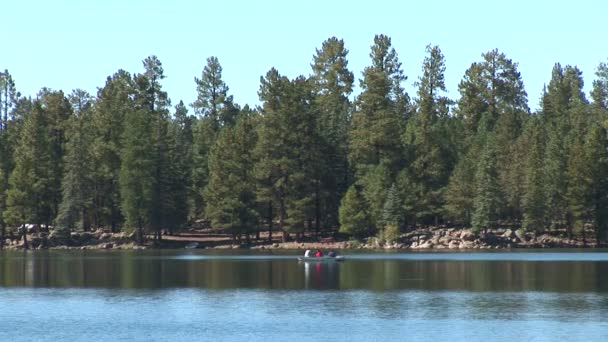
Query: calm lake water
(239, 295)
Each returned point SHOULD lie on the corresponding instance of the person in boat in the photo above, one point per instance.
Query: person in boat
(318, 253)
(331, 254)
(307, 253)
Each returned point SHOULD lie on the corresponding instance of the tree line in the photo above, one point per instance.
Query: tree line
(309, 158)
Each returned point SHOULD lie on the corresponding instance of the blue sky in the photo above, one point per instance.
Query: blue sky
(77, 44)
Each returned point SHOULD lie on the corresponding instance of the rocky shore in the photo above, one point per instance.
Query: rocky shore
(419, 239)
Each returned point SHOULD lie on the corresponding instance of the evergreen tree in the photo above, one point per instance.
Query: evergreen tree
(77, 185)
(287, 151)
(488, 196)
(332, 84)
(179, 173)
(533, 196)
(57, 111)
(599, 94)
(429, 152)
(460, 191)
(379, 111)
(231, 189)
(392, 214)
(375, 148)
(577, 194)
(9, 97)
(596, 154)
(354, 217)
(30, 196)
(214, 108)
(137, 172)
(113, 103)
(3, 187)
(561, 105)
(146, 176)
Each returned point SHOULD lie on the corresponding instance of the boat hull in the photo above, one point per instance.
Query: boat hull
(321, 259)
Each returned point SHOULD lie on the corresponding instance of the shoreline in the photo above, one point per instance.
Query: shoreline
(420, 239)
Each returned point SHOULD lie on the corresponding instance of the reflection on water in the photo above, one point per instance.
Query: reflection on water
(377, 272)
(214, 296)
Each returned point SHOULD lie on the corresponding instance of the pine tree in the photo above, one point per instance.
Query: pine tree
(58, 112)
(380, 111)
(3, 187)
(488, 196)
(179, 175)
(354, 217)
(112, 106)
(77, 185)
(429, 153)
(579, 183)
(561, 105)
(392, 214)
(145, 171)
(214, 109)
(231, 188)
(30, 196)
(137, 172)
(460, 192)
(597, 157)
(287, 151)
(533, 196)
(9, 97)
(332, 84)
(599, 94)
(375, 148)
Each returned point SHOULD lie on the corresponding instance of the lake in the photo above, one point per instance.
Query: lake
(215, 295)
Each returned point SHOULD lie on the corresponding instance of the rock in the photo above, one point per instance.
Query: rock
(467, 235)
(509, 234)
(453, 245)
(108, 245)
(466, 245)
(414, 245)
(31, 228)
(521, 235)
(74, 235)
(426, 245)
(7, 242)
(275, 245)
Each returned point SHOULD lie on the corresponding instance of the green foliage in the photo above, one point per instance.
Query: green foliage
(389, 234)
(312, 159)
(392, 213)
(354, 216)
(332, 83)
(488, 195)
(381, 107)
(424, 138)
(533, 195)
(112, 105)
(231, 188)
(288, 150)
(31, 192)
(78, 184)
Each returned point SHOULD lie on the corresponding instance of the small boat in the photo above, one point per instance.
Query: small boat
(321, 259)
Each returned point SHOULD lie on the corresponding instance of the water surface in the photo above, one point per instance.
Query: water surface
(233, 296)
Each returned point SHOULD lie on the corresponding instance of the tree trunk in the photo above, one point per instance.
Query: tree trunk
(113, 218)
(25, 244)
(317, 209)
(270, 218)
(257, 235)
(2, 235)
(86, 223)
